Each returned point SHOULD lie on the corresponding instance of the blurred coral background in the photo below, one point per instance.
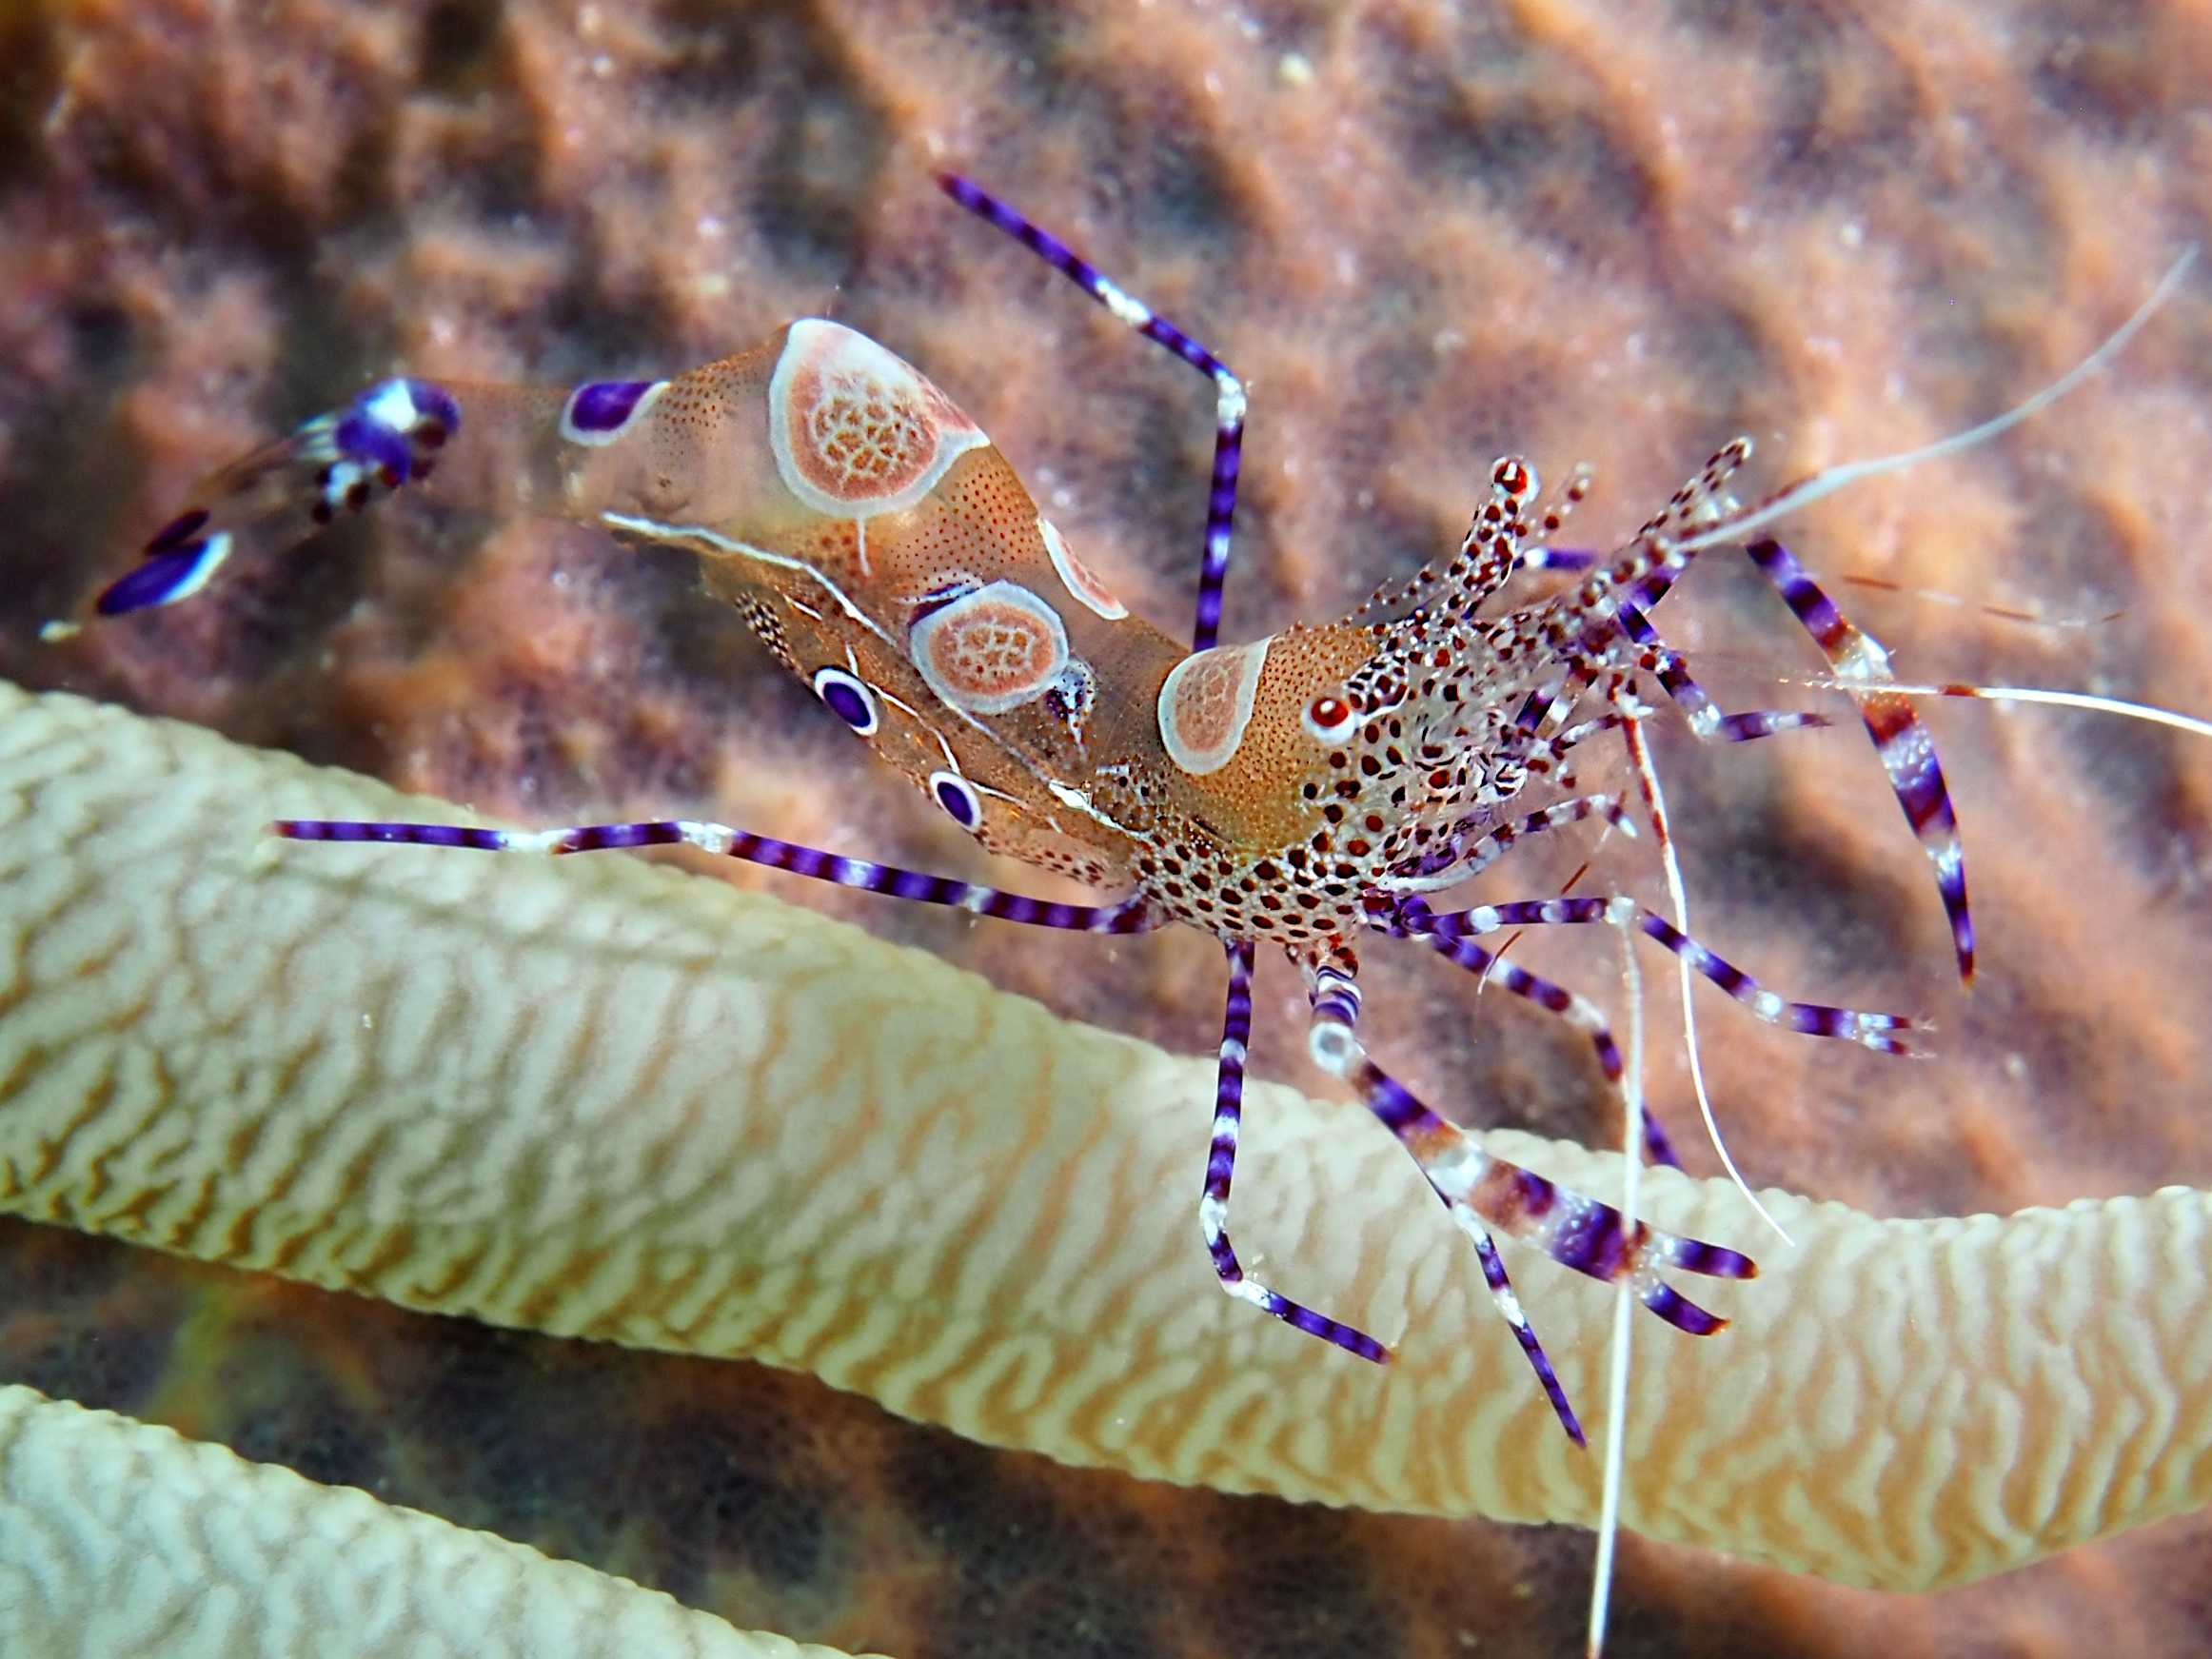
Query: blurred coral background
(1426, 235)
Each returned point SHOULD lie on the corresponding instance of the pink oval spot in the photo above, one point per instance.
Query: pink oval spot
(1078, 577)
(993, 650)
(856, 431)
(1206, 703)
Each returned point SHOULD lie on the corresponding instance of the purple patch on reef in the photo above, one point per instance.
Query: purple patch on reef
(605, 405)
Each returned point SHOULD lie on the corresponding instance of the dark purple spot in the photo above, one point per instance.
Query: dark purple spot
(941, 596)
(179, 530)
(1071, 694)
(437, 416)
(605, 405)
(958, 798)
(848, 699)
(154, 582)
(365, 439)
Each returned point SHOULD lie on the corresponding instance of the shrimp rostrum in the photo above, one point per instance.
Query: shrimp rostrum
(1304, 790)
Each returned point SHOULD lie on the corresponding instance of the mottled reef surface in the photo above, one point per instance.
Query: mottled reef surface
(1426, 234)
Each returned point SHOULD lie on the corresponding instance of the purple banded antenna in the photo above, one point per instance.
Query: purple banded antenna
(1229, 400)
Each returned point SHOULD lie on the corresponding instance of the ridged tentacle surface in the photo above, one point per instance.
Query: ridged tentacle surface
(121, 1539)
(592, 1096)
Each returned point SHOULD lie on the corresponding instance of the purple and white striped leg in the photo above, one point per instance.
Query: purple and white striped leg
(1672, 669)
(1485, 1194)
(1550, 703)
(1541, 754)
(284, 491)
(1558, 558)
(1221, 1170)
(1445, 1155)
(1408, 916)
(1453, 935)
(1668, 665)
(1467, 849)
(1907, 752)
(1130, 915)
(1229, 400)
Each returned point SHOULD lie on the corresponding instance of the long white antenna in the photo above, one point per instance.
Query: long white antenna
(1834, 478)
(1608, 1519)
(2139, 711)
(1678, 897)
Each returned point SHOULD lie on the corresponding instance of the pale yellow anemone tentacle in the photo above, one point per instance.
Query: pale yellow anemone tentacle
(119, 1538)
(597, 1097)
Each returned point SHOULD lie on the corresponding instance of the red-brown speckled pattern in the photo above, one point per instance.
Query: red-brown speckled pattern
(1426, 235)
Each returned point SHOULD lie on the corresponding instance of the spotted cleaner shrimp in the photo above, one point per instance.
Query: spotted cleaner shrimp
(1306, 789)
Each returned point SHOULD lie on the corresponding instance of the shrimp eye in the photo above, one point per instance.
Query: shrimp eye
(849, 699)
(1330, 719)
(957, 797)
